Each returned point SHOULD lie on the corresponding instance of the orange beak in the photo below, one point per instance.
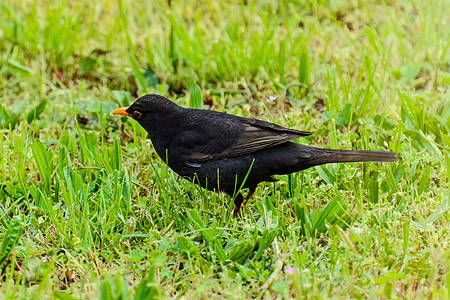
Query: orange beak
(121, 111)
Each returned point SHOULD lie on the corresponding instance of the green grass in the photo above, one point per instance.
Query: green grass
(88, 210)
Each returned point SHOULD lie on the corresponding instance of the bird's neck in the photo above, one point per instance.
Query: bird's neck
(162, 130)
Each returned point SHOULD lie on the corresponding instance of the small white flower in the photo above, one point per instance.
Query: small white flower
(290, 270)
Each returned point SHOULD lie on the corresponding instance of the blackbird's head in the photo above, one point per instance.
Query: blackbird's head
(148, 109)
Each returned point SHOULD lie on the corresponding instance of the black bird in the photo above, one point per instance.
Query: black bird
(218, 150)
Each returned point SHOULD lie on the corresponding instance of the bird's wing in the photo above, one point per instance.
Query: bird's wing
(232, 137)
(258, 135)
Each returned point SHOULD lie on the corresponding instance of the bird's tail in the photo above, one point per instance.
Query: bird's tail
(292, 157)
(325, 156)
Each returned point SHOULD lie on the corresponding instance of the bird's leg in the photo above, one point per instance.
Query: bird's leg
(238, 203)
(239, 200)
(251, 191)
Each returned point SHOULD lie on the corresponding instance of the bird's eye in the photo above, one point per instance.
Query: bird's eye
(137, 114)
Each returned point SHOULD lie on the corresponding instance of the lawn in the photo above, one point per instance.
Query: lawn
(89, 211)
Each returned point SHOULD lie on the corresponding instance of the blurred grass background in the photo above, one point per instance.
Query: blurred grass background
(89, 211)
